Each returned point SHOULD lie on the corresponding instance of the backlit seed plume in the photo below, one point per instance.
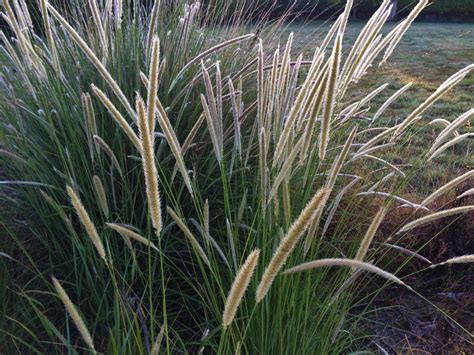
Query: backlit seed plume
(303, 100)
(346, 262)
(213, 105)
(434, 216)
(155, 350)
(457, 260)
(369, 236)
(129, 234)
(117, 116)
(341, 159)
(100, 190)
(393, 197)
(153, 83)
(260, 85)
(442, 122)
(345, 17)
(284, 172)
(330, 98)
(152, 25)
(14, 55)
(208, 52)
(239, 286)
(364, 149)
(447, 187)
(289, 242)
(218, 149)
(86, 222)
(451, 128)
(171, 138)
(191, 238)
(454, 141)
(466, 193)
(390, 100)
(149, 167)
(76, 318)
(12, 21)
(94, 60)
(404, 27)
(235, 116)
(407, 252)
(119, 12)
(263, 152)
(107, 150)
(49, 34)
(89, 114)
(357, 57)
(99, 27)
(443, 89)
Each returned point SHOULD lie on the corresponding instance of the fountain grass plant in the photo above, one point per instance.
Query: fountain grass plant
(185, 206)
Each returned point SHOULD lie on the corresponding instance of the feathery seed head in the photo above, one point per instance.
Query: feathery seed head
(130, 234)
(346, 262)
(187, 233)
(330, 98)
(114, 112)
(287, 244)
(153, 83)
(86, 222)
(369, 236)
(434, 216)
(457, 260)
(76, 318)
(149, 167)
(239, 286)
(100, 190)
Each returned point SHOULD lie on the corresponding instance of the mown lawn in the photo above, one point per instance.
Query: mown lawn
(427, 55)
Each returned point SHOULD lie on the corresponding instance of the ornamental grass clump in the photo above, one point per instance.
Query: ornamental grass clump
(165, 163)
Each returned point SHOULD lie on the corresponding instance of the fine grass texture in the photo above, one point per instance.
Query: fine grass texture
(170, 203)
